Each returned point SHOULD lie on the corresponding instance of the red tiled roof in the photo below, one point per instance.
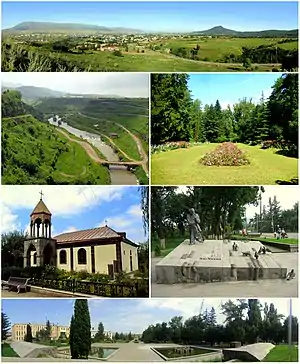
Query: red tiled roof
(103, 232)
(41, 208)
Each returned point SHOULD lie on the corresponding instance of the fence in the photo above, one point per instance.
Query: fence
(93, 288)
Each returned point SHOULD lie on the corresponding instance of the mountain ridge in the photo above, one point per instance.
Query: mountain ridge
(220, 30)
(56, 27)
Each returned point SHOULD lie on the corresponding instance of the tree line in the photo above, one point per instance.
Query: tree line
(246, 321)
(221, 209)
(273, 215)
(176, 116)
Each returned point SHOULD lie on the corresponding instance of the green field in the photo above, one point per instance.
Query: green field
(35, 153)
(183, 167)
(281, 354)
(215, 48)
(7, 351)
(39, 60)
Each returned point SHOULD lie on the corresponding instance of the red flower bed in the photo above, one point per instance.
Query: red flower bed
(226, 154)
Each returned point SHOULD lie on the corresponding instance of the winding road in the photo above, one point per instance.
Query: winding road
(143, 154)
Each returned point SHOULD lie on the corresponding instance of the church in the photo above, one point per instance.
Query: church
(99, 250)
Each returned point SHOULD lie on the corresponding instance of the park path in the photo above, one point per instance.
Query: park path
(72, 175)
(143, 154)
(23, 348)
(133, 352)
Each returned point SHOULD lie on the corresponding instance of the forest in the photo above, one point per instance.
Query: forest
(246, 321)
(221, 211)
(272, 122)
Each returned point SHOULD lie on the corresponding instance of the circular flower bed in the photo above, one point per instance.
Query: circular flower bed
(226, 154)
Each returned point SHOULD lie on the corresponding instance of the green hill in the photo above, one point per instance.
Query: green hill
(33, 152)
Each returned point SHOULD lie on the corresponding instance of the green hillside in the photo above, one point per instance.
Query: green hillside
(33, 152)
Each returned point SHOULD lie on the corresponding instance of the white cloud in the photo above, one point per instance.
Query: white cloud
(111, 83)
(116, 222)
(60, 200)
(135, 211)
(9, 220)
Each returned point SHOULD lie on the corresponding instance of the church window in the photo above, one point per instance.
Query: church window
(63, 257)
(81, 256)
(34, 258)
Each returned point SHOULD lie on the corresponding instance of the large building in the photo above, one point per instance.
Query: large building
(19, 331)
(99, 250)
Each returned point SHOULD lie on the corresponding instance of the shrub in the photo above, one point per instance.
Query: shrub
(172, 146)
(226, 154)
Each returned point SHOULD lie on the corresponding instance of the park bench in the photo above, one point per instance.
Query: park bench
(16, 282)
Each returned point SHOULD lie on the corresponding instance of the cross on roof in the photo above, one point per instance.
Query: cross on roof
(105, 222)
(41, 193)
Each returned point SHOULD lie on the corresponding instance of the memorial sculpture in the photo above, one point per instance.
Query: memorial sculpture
(193, 220)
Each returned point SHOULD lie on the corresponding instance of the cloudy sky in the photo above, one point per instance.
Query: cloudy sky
(105, 83)
(75, 208)
(123, 314)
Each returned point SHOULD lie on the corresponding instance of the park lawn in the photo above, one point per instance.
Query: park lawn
(281, 354)
(274, 240)
(183, 167)
(171, 244)
(7, 351)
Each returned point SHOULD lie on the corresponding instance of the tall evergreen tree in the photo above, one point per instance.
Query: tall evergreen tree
(5, 326)
(28, 336)
(80, 330)
(170, 108)
(254, 320)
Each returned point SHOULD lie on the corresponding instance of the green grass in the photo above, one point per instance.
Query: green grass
(141, 175)
(183, 167)
(152, 61)
(171, 244)
(281, 354)
(7, 351)
(123, 142)
(36, 153)
(274, 240)
(217, 48)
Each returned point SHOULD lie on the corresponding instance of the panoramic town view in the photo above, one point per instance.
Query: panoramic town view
(91, 129)
(149, 181)
(169, 329)
(80, 36)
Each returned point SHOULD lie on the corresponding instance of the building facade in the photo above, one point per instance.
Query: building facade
(99, 250)
(19, 331)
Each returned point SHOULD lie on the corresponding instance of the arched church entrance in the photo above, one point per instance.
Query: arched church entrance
(31, 256)
(49, 255)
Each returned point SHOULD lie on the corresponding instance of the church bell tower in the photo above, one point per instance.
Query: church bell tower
(40, 248)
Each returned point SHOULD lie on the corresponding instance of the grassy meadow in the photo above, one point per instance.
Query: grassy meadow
(183, 167)
(42, 60)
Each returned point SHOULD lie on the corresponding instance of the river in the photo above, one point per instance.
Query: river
(119, 175)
